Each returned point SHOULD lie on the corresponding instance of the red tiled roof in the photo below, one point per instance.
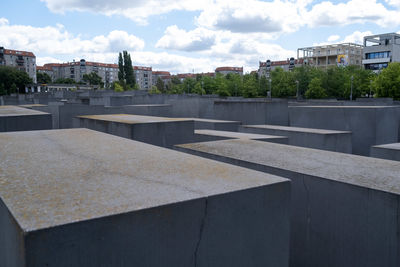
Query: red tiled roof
(282, 62)
(43, 68)
(18, 53)
(240, 69)
(142, 68)
(77, 63)
(161, 73)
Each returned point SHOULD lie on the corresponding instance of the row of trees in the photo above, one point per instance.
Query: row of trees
(309, 82)
(13, 80)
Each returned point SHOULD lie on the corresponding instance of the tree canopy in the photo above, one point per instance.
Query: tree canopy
(13, 80)
(43, 78)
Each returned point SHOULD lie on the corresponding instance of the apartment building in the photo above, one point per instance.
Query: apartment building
(165, 76)
(325, 56)
(379, 50)
(266, 67)
(143, 77)
(22, 60)
(76, 69)
(226, 70)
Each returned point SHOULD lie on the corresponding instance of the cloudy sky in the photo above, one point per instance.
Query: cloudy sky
(188, 35)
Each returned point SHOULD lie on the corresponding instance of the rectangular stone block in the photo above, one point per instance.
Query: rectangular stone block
(388, 151)
(369, 125)
(162, 110)
(202, 135)
(345, 208)
(78, 197)
(219, 125)
(13, 118)
(338, 141)
(160, 131)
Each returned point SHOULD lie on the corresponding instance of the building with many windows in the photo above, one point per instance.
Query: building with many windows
(226, 70)
(380, 50)
(266, 67)
(22, 60)
(165, 76)
(143, 77)
(75, 70)
(325, 56)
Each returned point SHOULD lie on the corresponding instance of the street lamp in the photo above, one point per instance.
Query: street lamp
(351, 88)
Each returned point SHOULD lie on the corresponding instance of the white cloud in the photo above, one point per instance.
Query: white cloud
(136, 10)
(356, 37)
(351, 12)
(57, 41)
(333, 38)
(177, 39)
(3, 21)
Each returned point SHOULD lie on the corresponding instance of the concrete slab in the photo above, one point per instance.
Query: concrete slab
(163, 110)
(245, 136)
(13, 118)
(78, 197)
(338, 141)
(370, 125)
(344, 207)
(388, 151)
(161, 131)
(220, 125)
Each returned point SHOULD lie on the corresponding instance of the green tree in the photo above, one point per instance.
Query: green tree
(11, 75)
(160, 85)
(188, 85)
(128, 70)
(387, 83)
(2, 89)
(13, 88)
(198, 89)
(43, 78)
(121, 72)
(208, 84)
(117, 87)
(283, 83)
(93, 79)
(315, 89)
(64, 81)
(154, 90)
(221, 85)
(250, 85)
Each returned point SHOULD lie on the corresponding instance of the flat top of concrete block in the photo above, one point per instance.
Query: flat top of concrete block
(394, 146)
(56, 177)
(149, 105)
(131, 119)
(210, 120)
(237, 135)
(296, 129)
(32, 105)
(379, 174)
(348, 107)
(6, 111)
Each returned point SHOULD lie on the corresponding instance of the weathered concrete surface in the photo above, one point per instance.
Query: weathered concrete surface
(160, 131)
(370, 125)
(208, 134)
(13, 118)
(219, 125)
(162, 110)
(345, 208)
(103, 200)
(253, 111)
(388, 151)
(338, 141)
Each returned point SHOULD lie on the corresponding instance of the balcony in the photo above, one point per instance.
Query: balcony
(376, 60)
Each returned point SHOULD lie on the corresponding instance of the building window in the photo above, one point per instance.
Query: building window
(385, 54)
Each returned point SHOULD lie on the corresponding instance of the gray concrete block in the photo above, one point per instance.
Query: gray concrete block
(338, 141)
(160, 131)
(103, 200)
(370, 125)
(208, 134)
(13, 118)
(253, 112)
(344, 207)
(388, 151)
(219, 125)
(162, 110)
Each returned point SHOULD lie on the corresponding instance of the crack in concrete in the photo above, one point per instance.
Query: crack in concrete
(203, 221)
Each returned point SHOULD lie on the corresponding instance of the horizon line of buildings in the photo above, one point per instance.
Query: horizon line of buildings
(375, 54)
